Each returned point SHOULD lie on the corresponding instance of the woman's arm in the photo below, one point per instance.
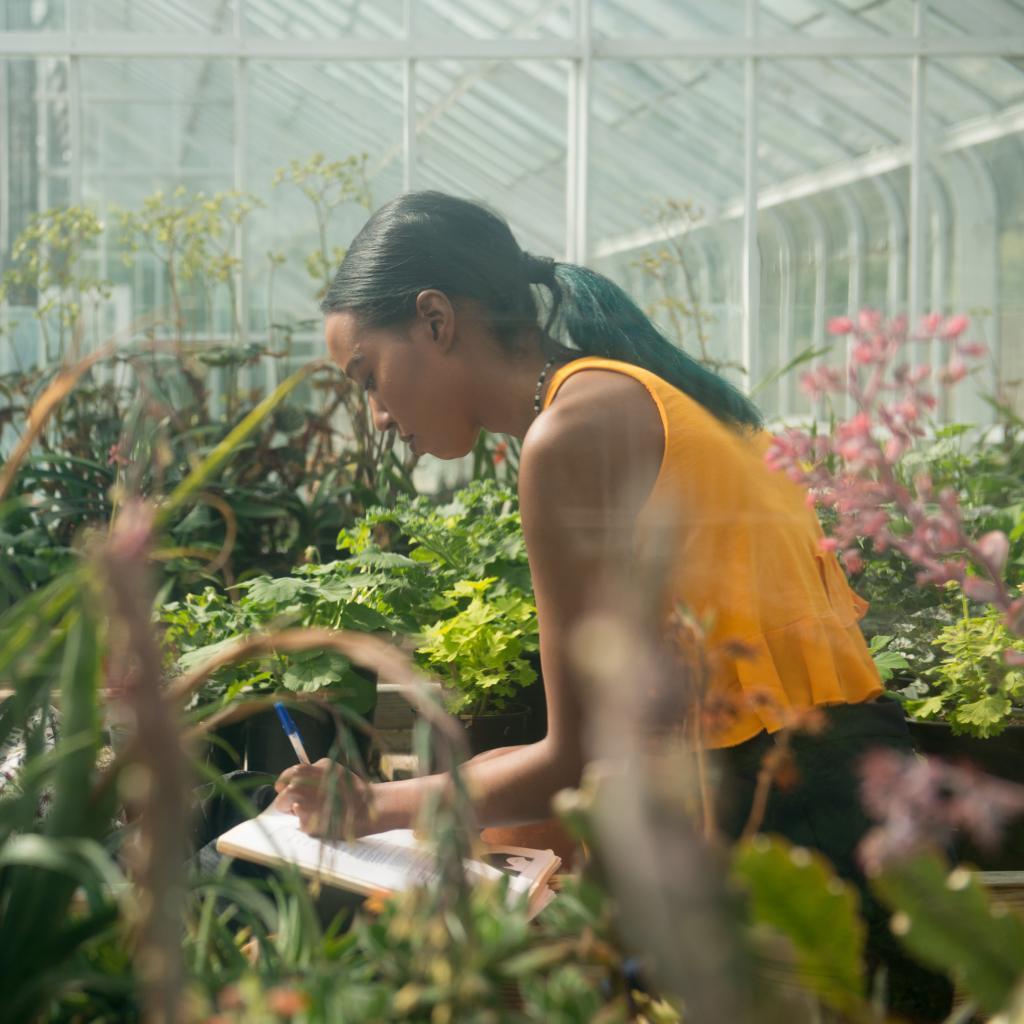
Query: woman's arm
(587, 467)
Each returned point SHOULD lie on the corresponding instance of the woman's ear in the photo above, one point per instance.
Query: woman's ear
(437, 315)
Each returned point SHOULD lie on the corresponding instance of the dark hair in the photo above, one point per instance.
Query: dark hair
(431, 240)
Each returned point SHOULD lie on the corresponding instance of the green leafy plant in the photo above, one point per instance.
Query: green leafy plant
(454, 578)
(479, 651)
(795, 893)
(467, 595)
(948, 921)
(888, 662)
(972, 687)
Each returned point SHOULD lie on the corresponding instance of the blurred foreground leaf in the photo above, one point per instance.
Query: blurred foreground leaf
(948, 922)
(797, 893)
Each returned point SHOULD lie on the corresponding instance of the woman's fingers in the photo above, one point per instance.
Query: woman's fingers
(320, 794)
(305, 774)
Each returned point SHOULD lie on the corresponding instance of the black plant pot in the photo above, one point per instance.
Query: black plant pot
(268, 749)
(533, 697)
(225, 749)
(1001, 756)
(505, 729)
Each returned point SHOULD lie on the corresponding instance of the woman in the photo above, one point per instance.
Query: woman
(625, 438)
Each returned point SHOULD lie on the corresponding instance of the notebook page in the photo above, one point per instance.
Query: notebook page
(391, 861)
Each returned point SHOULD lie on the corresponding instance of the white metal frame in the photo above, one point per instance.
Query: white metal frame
(129, 44)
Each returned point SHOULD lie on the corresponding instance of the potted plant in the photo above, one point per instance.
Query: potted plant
(480, 655)
(466, 595)
(203, 624)
(974, 690)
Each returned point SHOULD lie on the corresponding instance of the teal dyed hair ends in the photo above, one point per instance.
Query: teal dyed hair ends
(602, 320)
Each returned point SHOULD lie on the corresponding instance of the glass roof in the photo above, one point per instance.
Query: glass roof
(834, 116)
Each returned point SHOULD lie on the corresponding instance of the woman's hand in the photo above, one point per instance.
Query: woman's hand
(327, 799)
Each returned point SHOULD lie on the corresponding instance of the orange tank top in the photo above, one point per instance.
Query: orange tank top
(780, 618)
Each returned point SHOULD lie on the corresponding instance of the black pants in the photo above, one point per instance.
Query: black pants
(823, 811)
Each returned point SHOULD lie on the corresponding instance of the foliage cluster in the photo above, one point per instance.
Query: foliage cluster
(454, 578)
(297, 480)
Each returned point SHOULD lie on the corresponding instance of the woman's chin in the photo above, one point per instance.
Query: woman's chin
(450, 452)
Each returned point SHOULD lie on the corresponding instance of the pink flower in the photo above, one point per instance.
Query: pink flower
(919, 802)
(978, 589)
(895, 447)
(869, 320)
(840, 325)
(994, 547)
(1015, 616)
(1014, 658)
(863, 353)
(852, 561)
(930, 324)
(955, 370)
(954, 327)
(828, 544)
(940, 573)
(287, 1001)
(809, 384)
(115, 456)
(974, 349)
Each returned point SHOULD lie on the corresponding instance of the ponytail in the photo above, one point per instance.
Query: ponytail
(602, 320)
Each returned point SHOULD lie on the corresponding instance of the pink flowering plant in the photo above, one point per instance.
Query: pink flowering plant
(883, 503)
(857, 471)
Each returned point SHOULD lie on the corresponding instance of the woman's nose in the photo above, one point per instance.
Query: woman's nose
(381, 417)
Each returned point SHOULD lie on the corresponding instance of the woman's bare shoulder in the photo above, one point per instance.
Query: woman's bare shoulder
(603, 431)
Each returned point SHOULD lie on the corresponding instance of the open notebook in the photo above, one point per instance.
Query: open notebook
(383, 863)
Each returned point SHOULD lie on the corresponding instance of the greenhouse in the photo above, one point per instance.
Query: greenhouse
(512, 511)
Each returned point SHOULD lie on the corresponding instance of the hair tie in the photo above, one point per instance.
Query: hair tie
(539, 269)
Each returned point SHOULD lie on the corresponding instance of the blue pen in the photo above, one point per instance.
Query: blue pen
(292, 732)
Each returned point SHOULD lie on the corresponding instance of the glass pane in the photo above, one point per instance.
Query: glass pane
(972, 87)
(850, 18)
(1002, 18)
(833, 201)
(511, 19)
(35, 147)
(33, 15)
(818, 113)
(978, 211)
(666, 187)
(149, 123)
(496, 132)
(174, 16)
(623, 19)
(324, 19)
(349, 114)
